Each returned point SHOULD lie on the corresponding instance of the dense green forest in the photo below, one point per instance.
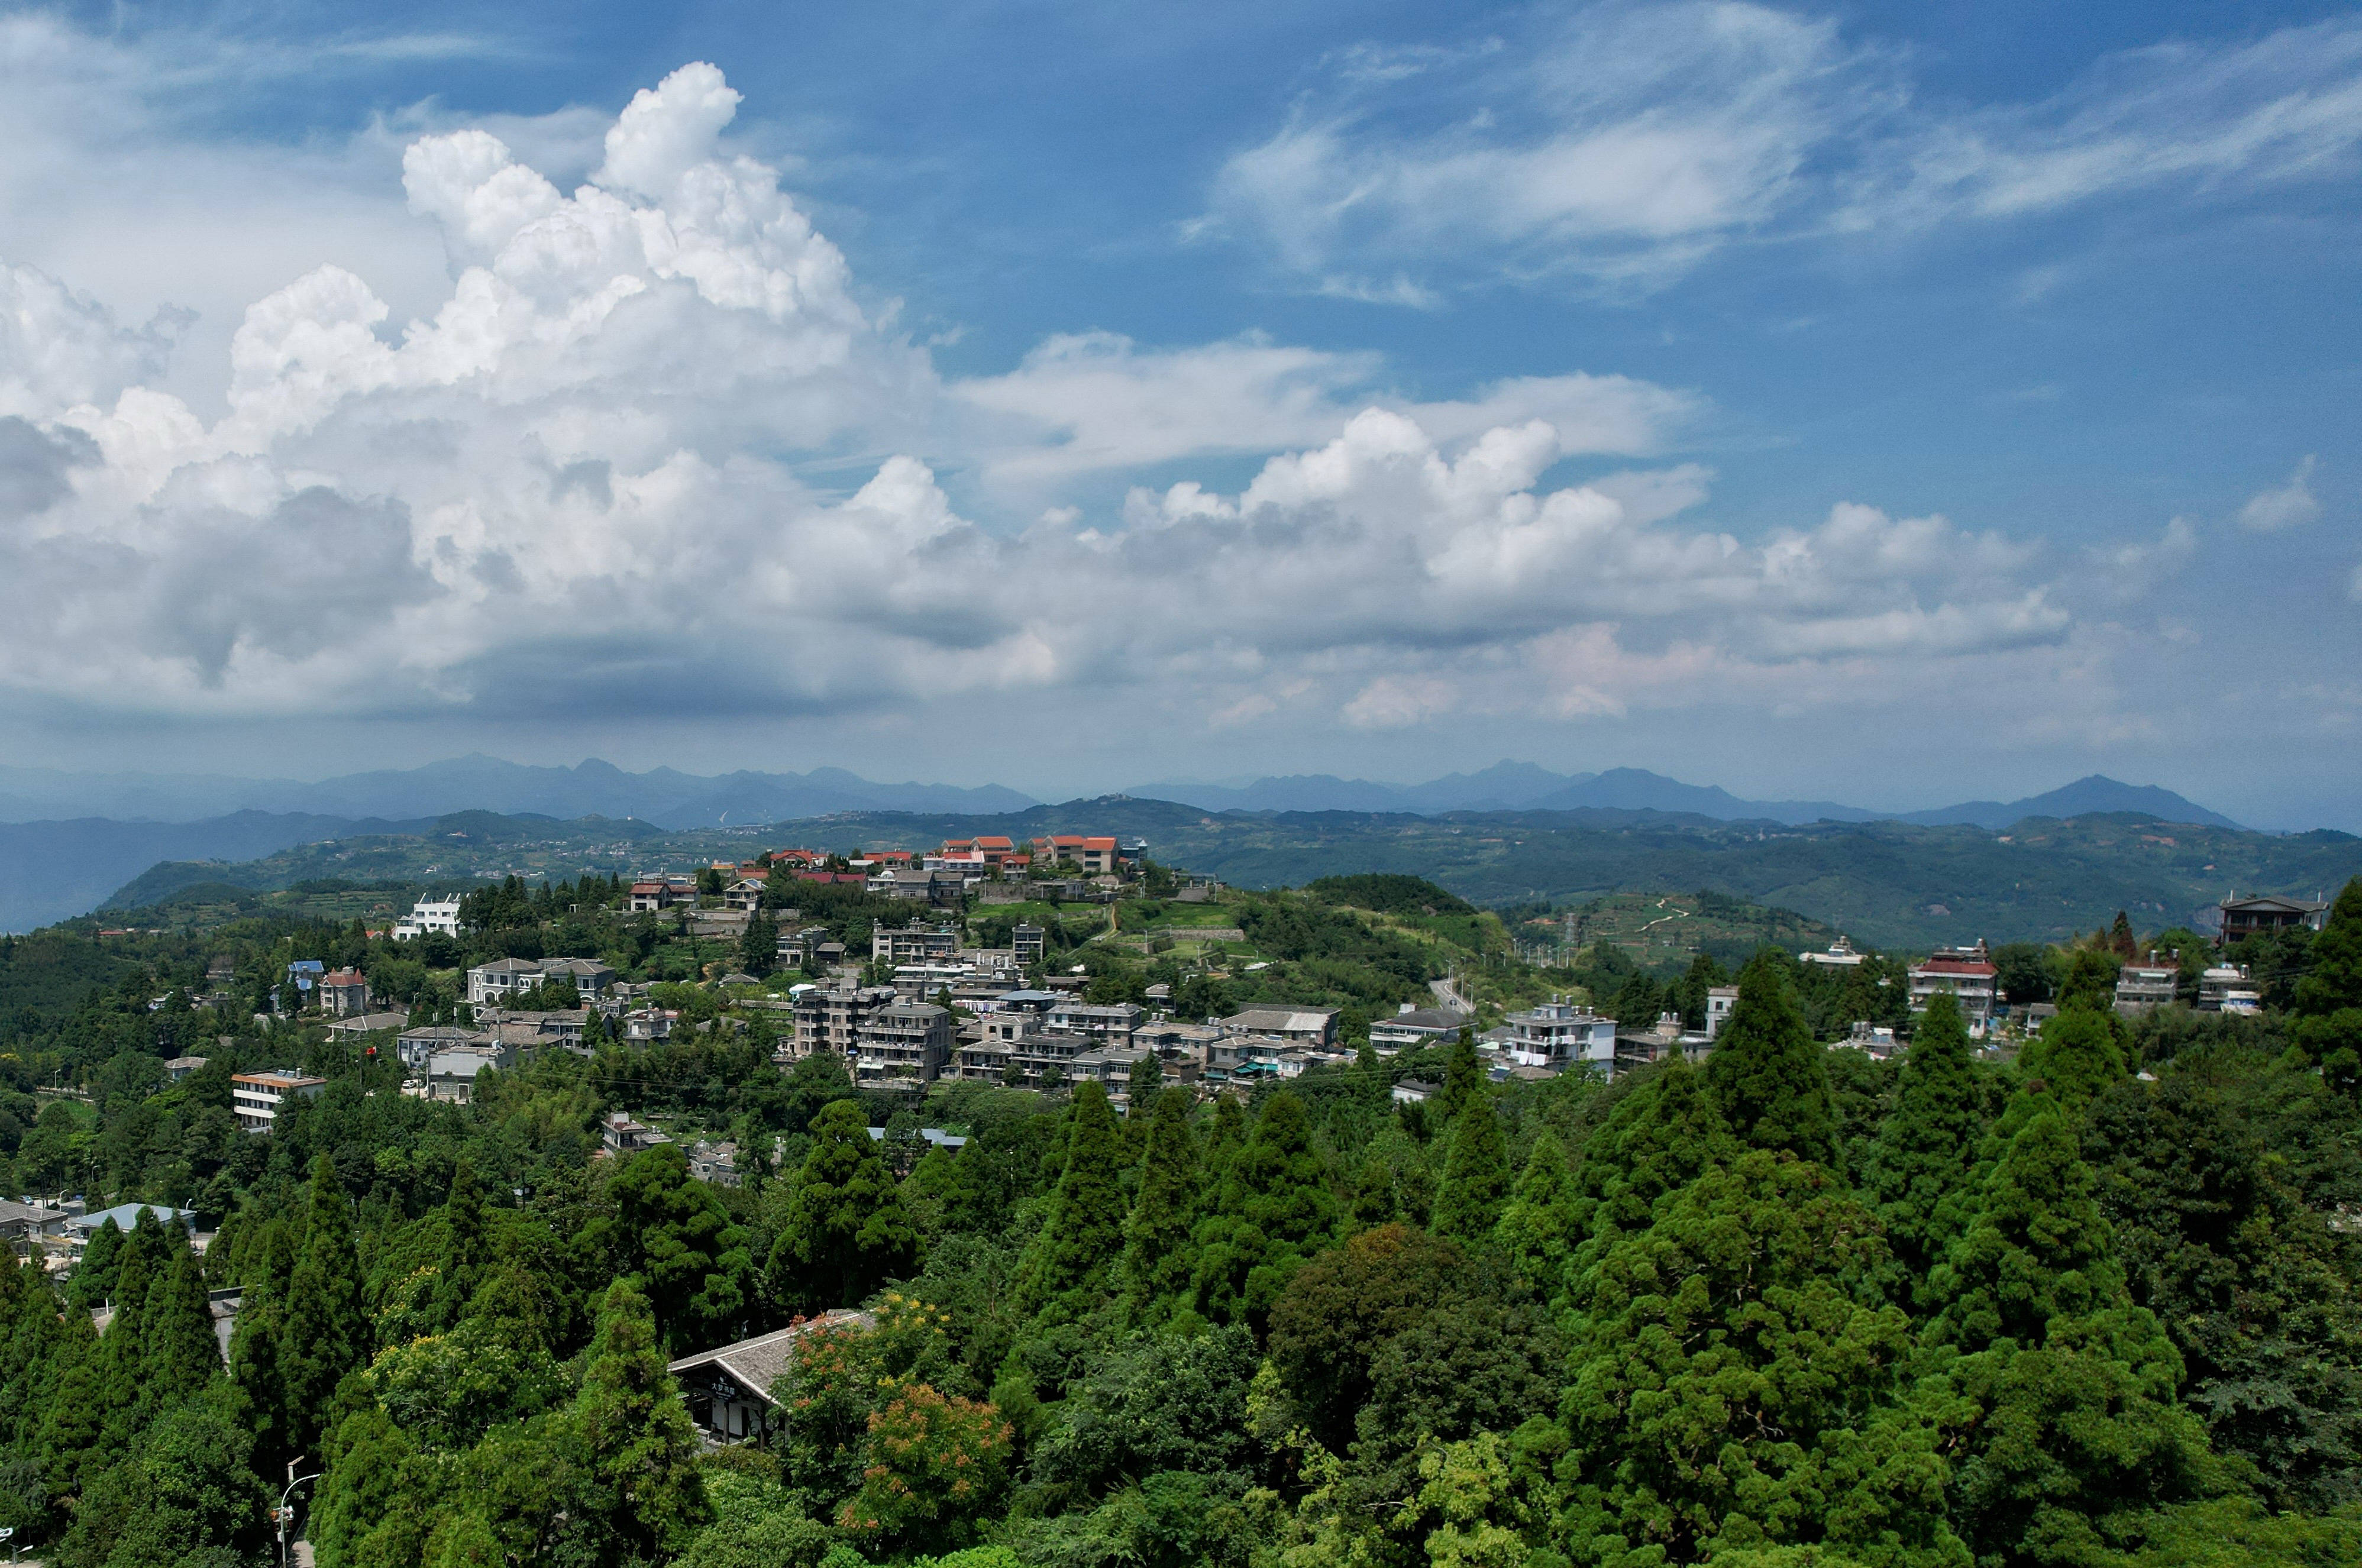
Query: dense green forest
(1794, 1307)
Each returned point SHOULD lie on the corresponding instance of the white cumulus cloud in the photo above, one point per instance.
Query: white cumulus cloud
(2289, 505)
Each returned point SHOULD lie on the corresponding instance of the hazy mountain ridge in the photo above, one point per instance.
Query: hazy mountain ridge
(1893, 884)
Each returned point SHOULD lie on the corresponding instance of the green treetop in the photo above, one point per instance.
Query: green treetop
(1156, 1264)
(1463, 1077)
(1919, 1163)
(847, 1229)
(1537, 1228)
(1768, 1077)
(1075, 1254)
(323, 1333)
(1276, 1211)
(1476, 1174)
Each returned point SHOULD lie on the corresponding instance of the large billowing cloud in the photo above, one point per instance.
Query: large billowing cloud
(581, 484)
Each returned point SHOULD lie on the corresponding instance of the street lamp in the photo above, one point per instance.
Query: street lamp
(281, 1513)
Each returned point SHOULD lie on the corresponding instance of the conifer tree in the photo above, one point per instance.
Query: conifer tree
(254, 1364)
(2077, 1056)
(1769, 1078)
(1657, 1139)
(638, 1451)
(1156, 1263)
(1463, 1077)
(466, 1246)
(1476, 1174)
(69, 1442)
(1374, 1191)
(122, 1358)
(1074, 1256)
(847, 1229)
(2328, 1003)
(1275, 1211)
(1146, 1079)
(2073, 1431)
(1918, 1166)
(183, 1356)
(1537, 1228)
(324, 1334)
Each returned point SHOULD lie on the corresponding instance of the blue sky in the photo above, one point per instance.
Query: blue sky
(1890, 404)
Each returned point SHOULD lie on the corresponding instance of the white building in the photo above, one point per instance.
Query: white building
(1719, 1001)
(256, 1096)
(1559, 1034)
(428, 914)
(1839, 955)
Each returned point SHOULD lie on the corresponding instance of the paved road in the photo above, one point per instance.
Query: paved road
(1450, 998)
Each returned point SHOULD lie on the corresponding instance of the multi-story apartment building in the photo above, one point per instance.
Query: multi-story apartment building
(428, 914)
(256, 1098)
(903, 1040)
(832, 1019)
(1966, 973)
(1559, 1034)
(914, 944)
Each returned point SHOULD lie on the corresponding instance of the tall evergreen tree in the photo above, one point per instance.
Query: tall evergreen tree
(254, 1345)
(1768, 1077)
(1156, 1263)
(1147, 1077)
(183, 1356)
(1275, 1211)
(2073, 1432)
(1657, 1139)
(1463, 1077)
(466, 1246)
(641, 1485)
(1476, 1174)
(847, 1229)
(2328, 1001)
(2077, 1056)
(324, 1334)
(1073, 1259)
(1537, 1228)
(1917, 1168)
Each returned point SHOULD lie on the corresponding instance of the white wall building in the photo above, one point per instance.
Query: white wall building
(256, 1096)
(1559, 1034)
(428, 914)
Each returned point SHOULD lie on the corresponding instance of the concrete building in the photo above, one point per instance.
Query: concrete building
(1298, 1025)
(1966, 973)
(1108, 1024)
(428, 914)
(256, 1098)
(2255, 915)
(914, 944)
(1030, 943)
(1719, 1001)
(832, 1019)
(1839, 955)
(903, 1040)
(451, 1072)
(2142, 986)
(2227, 987)
(180, 1067)
(1412, 1027)
(1560, 1034)
(343, 993)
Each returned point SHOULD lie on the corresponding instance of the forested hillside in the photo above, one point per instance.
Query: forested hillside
(1888, 883)
(1794, 1307)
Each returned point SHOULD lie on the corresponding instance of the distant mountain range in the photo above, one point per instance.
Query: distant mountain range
(67, 840)
(1522, 787)
(594, 789)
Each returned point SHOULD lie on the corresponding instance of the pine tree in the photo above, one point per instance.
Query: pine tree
(254, 1344)
(1537, 1228)
(1657, 1139)
(1475, 1175)
(2073, 1430)
(1726, 1369)
(324, 1334)
(122, 1358)
(847, 1229)
(1918, 1166)
(2328, 1003)
(1463, 1077)
(183, 1356)
(1275, 1210)
(1769, 1079)
(638, 1451)
(1156, 1262)
(1072, 1259)
(466, 1246)
(1147, 1078)
(2077, 1056)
